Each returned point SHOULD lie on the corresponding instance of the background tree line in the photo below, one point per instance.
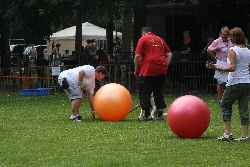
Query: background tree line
(36, 20)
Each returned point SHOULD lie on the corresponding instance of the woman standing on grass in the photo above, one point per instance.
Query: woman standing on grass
(238, 85)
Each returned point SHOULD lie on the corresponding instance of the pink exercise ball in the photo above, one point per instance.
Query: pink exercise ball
(112, 102)
(188, 116)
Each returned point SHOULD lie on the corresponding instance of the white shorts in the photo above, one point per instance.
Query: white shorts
(72, 91)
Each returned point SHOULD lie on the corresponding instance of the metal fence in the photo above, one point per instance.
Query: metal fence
(183, 77)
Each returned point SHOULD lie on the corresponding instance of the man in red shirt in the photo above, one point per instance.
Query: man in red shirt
(152, 57)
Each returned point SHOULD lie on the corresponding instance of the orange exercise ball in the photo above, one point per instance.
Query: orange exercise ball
(112, 102)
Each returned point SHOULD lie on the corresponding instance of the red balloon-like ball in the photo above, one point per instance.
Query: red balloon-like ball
(188, 116)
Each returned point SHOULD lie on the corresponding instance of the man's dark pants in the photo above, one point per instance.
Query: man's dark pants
(147, 85)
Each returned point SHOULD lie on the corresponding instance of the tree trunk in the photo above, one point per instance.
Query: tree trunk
(5, 49)
(78, 38)
(126, 31)
(109, 36)
(139, 22)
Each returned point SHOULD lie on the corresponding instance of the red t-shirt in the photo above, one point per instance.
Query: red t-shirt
(153, 60)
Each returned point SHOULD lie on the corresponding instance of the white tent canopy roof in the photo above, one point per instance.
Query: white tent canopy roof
(89, 31)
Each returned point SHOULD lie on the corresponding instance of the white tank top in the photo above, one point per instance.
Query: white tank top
(241, 74)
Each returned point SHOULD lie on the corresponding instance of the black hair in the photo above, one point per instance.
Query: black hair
(101, 69)
(146, 29)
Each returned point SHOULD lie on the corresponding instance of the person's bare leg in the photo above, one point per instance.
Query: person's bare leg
(76, 103)
(227, 125)
(220, 90)
(245, 130)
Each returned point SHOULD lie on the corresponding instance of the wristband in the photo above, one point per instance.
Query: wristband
(79, 84)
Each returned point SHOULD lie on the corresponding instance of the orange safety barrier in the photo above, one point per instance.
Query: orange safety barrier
(26, 77)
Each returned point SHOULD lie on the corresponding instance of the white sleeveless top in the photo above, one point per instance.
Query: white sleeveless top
(241, 74)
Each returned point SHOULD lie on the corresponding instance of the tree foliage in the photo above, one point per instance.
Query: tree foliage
(217, 10)
(38, 19)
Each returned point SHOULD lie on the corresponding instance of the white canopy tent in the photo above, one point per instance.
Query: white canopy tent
(66, 37)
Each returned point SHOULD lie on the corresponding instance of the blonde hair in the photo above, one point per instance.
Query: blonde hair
(226, 29)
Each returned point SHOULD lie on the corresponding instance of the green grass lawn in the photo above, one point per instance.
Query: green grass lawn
(38, 133)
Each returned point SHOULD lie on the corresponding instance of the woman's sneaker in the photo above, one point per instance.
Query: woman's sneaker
(76, 118)
(243, 139)
(226, 137)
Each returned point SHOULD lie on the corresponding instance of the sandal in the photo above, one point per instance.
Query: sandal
(226, 137)
(93, 114)
(243, 139)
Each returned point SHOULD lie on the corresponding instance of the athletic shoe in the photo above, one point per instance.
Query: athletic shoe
(74, 118)
(243, 139)
(160, 118)
(145, 118)
(226, 137)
